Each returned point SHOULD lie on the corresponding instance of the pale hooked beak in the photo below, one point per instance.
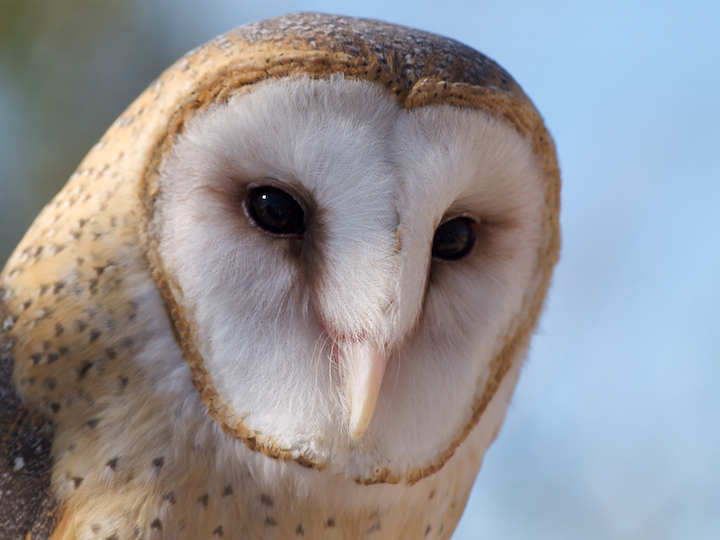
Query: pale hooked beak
(363, 366)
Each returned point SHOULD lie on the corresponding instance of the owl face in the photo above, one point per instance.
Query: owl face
(346, 270)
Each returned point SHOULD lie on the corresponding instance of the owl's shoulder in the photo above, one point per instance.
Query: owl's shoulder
(77, 307)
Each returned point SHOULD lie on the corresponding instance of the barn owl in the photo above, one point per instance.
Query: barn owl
(287, 295)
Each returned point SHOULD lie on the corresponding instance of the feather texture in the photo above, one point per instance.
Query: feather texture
(171, 370)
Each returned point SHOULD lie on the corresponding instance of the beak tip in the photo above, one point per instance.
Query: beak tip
(357, 428)
(364, 365)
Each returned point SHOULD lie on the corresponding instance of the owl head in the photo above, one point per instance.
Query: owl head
(352, 227)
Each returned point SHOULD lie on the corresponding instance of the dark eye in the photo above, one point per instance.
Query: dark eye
(453, 239)
(275, 211)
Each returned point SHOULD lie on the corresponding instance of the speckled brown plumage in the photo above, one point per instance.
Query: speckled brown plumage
(25, 440)
(78, 296)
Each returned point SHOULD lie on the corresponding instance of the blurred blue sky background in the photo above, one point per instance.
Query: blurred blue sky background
(615, 428)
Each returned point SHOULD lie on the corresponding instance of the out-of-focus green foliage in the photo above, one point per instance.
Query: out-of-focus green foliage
(68, 68)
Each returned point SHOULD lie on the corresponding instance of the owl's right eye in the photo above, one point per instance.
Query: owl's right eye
(275, 211)
(454, 239)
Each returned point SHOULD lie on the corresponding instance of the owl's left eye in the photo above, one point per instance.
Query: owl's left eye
(275, 211)
(454, 239)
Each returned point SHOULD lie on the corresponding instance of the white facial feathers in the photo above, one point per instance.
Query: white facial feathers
(270, 314)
